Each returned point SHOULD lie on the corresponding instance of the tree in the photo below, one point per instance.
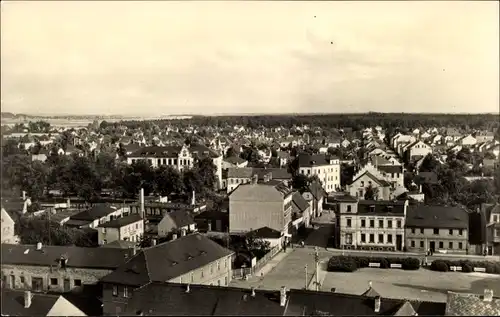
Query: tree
(168, 180)
(429, 164)
(371, 192)
(300, 182)
(250, 154)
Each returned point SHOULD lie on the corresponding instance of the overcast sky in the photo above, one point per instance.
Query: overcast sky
(154, 58)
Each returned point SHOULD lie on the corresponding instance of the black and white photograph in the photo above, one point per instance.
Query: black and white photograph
(250, 158)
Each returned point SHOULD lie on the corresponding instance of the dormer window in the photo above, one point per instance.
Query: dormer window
(62, 262)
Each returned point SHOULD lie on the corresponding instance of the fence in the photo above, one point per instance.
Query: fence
(250, 271)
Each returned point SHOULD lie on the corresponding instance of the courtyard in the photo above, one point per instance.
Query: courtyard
(422, 284)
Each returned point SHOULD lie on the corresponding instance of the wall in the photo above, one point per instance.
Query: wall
(87, 276)
(108, 235)
(443, 236)
(245, 216)
(328, 174)
(133, 231)
(362, 183)
(7, 228)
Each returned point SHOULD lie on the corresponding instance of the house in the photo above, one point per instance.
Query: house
(359, 186)
(389, 179)
(489, 227)
(178, 221)
(467, 140)
(237, 176)
(301, 211)
(274, 237)
(345, 143)
(193, 259)
(25, 303)
(416, 150)
(315, 196)
(260, 204)
(484, 136)
(325, 167)
(126, 228)
(371, 225)
(8, 226)
(234, 161)
(437, 228)
(94, 216)
(57, 268)
(463, 304)
(452, 134)
(41, 156)
(284, 158)
(179, 157)
(212, 220)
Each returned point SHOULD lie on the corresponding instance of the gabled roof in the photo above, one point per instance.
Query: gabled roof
(13, 303)
(94, 213)
(181, 217)
(307, 160)
(98, 258)
(241, 172)
(122, 221)
(380, 182)
(234, 160)
(433, 216)
(168, 260)
(317, 190)
(169, 299)
(299, 201)
(381, 207)
(265, 233)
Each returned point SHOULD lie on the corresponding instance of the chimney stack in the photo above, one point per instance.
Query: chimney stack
(253, 291)
(187, 288)
(154, 242)
(68, 203)
(39, 246)
(283, 296)
(377, 304)
(193, 199)
(27, 299)
(142, 202)
(255, 179)
(488, 295)
(24, 195)
(174, 236)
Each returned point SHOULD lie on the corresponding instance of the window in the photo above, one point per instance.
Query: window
(398, 223)
(495, 218)
(363, 237)
(115, 290)
(225, 263)
(77, 282)
(22, 279)
(389, 223)
(436, 231)
(422, 231)
(349, 223)
(381, 223)
(389, 238)
(218, 282)
(412, 243)
(348, 238)
(363, 223)
(372, 223)
(218, 266)
(460, 232)
(211, 268)
(137, 225)
(362, 184)
(380, 238)
(441, 245)
(53, 281)
(413, 230)
(225, 281)
(460, 245)
(103, 230)
(372, 238)
(125, 291)
(192, 277)
(450, 245)
(450, 232)
(348, 208)
(421, 244)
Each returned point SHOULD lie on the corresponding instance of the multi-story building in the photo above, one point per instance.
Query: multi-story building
(416, 150)
(96, 215)
(193, 259)
(326, 167)
(260, 204)
(437, 228)
(371, 225)
(57, 268)
(8, 234)
(387, 178)
(237, 176)
(128, 228)
(178, 157)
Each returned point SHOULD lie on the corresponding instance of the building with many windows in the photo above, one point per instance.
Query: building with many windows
(371, 224)
(178, 157)
(441, 229)
(326, 167)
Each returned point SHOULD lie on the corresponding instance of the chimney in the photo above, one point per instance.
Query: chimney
(420, 189)
(68, 203)
(39, 246)
(27, 299)
(154, 242)
(142, 202)
(377, 304)
(193, 199)
(174, 236)
(253, 291)
(187, 288)
(210, 226)
(24, 195)
(255, 179)
(488, 295)
(283, 296)
(183, 232)
(134, 250)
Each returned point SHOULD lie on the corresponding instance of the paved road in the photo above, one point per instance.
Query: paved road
(325, 226)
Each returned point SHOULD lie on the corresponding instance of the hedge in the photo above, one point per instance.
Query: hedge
(352, 263)
(466, 265)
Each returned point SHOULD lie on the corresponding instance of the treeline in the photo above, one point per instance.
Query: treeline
(88, 177)
(356, 121)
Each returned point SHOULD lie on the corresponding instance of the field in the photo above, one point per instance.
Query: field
(419, 285)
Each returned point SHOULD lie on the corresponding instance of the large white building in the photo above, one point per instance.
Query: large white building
(326, 167)
(371, 225)
(179, 157)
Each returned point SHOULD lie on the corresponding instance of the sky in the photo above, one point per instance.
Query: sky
(210, 57)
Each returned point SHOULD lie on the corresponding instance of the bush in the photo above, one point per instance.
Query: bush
(467, 268)
(440, 266)
(342, 264)
(410, 263)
